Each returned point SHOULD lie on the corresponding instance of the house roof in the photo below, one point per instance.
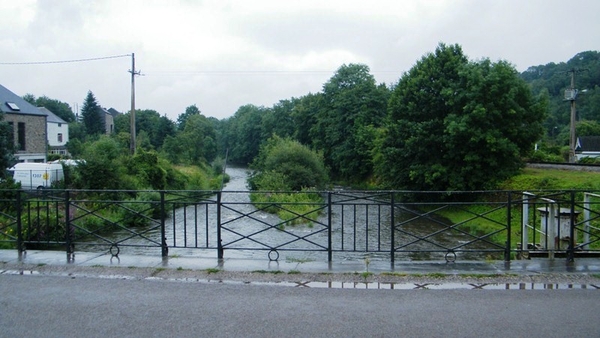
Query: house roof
(50, 116)
(19, 106)
(114, 112)
(588, 143)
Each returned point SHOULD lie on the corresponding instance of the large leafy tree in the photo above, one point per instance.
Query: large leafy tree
(243, 134)
(59, 108)
(458, 125)
(189, 112)
(304, 115)
(278, 120)
(195, 144)
(156, 127)
(352, 102)
(92, 116)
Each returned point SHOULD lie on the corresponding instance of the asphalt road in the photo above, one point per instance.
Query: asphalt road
(62, 306)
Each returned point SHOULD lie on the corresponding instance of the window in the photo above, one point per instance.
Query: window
(13, 106)
(21, 136)
(60, 137)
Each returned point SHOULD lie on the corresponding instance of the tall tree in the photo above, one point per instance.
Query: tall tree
(243, 134)
(458, 125)
(182, 118)
(92, 116)
(352, 101)
(196, 144)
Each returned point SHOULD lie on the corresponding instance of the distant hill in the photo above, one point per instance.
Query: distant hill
(555, 78)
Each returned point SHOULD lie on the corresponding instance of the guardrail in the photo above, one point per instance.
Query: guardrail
(394, 225)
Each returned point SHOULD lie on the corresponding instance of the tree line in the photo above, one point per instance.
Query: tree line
(448, 123)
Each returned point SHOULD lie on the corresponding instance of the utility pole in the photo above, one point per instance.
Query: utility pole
(132, 146)
(571, 95)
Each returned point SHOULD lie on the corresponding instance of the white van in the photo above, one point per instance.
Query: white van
(37, 175)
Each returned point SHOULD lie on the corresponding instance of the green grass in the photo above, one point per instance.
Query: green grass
(288, 206)
(366, 274)
(394, 274)
(212, 270)
(553, 179)
(294, 272)
(530, 179)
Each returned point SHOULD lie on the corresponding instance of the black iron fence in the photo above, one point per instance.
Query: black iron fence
(393, 225)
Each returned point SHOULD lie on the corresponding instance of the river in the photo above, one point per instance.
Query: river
(191, 230)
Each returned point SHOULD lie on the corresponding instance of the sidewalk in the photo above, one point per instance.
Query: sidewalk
(583, 266)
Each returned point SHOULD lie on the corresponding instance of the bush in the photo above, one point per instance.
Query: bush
(292, 161)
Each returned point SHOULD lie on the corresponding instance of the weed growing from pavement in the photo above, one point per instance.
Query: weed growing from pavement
(294, 272)
(212, 270)
(366, 274)
(437, 275)
(394, 274)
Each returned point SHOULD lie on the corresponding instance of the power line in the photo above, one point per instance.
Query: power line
(251, 72)
(65, 61)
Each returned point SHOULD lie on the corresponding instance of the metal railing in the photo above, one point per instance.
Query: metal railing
(394, 225)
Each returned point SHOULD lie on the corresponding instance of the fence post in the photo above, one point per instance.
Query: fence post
(508, 227)
(18, 206)
(393, 230)
(329, 226)
(219, 243)
(68, 224)
(571, 248)
(163, 230)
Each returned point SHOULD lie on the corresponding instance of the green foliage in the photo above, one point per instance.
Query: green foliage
(151, 128)
(6, 147)
(60, 109)
(587, 128)
(189, 112)
(552, 179)
(38, 225)
(195, 144)
(146, 167)
(457, 125)
(286, 159)
(352, 104)
(92, 116)
(242, 134)
(554, 78)
(138, 212)
(292, 207)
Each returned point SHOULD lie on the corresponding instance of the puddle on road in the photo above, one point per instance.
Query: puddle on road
(399, 286)
(342, 285)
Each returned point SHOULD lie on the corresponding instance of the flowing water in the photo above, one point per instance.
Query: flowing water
(359, 227)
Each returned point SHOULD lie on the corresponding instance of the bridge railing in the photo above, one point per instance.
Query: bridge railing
(394, 225)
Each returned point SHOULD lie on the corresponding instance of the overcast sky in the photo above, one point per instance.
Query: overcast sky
(220, 55)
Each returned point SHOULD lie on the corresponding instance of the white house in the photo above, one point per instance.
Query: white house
(587, 146)
(57, 131)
